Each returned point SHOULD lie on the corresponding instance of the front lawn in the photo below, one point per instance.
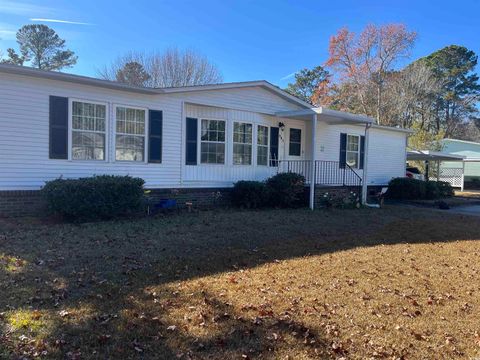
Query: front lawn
(396, 283)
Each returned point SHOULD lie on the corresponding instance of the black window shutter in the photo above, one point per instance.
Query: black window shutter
(191, 141)
(343, 150)
(274, 146)
(362, 151)
(58, 133)
(155, 132)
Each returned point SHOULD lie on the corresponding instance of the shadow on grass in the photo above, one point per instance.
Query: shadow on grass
(89, 284)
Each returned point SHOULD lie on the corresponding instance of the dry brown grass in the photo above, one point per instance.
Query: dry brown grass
(470, 194)
(390, 283)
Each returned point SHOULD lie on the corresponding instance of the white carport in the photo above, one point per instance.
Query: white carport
(456, 179)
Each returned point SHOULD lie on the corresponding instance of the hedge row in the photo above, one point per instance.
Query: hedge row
(413, 189)
(282, 190)
(97, 197)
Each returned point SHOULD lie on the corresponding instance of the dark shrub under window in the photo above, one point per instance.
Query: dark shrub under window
(249, 194)
(286, 190)
(97, 197)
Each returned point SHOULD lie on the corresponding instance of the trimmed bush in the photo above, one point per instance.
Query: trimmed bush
(249, 194)
(406, 189)
(439, 190)
(286, 190)
(97, 197)
(413, 189)
(432, 190)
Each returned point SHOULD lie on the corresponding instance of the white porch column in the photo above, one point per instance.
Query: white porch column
(312, 172)
(463, 175)
(365, 165)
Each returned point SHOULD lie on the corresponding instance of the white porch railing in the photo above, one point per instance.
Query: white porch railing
(326, 172)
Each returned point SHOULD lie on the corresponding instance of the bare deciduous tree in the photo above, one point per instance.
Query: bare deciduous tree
(171, 68)
(366, 59)
(410, 96)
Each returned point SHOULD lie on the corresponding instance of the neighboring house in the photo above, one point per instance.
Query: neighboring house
(470, 150)
(192, 138)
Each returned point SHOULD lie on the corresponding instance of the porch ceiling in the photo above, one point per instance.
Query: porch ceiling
(327, 115)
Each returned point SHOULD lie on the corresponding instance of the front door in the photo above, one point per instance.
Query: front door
(295, 141)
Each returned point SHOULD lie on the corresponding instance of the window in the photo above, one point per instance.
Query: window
(212, 146)
(353, 150)
(262, 145)
(295, 144)
(88, 131)
(242, 143)
(130, 135)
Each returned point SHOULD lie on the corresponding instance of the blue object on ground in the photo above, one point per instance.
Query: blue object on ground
(166, 204)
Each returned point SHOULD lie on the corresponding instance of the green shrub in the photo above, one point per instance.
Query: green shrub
(286, 190)
(445, 189)
(412, 189)
(432, 190)
(249, 194)
(406, 189)
(97, 197)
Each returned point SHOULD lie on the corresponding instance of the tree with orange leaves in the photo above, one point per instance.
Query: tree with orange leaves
(365, 61)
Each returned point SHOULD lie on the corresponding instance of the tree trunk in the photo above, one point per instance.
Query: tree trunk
(379, 103)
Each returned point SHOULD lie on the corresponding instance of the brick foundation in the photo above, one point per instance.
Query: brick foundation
(30, 202)
(200, 197)
(337, 194)
(21, 203)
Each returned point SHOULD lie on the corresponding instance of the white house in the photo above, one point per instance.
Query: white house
(60, 125)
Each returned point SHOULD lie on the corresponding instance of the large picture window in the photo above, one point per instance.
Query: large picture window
(353, 150)
(88, 131)
(212, 146)
(130, 134)
(242, 143)
(262, 145)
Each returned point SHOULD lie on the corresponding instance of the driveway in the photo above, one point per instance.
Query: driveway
(466, 210)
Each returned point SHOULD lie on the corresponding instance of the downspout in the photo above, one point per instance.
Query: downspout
(365, 169)
(312, 167)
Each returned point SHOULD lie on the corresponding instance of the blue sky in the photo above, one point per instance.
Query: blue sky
(247, 39)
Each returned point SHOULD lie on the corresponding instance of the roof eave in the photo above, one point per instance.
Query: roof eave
(236, 85)
(77, 79)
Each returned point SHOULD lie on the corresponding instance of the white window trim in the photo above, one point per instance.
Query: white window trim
(351, 151)
(268, 145)
(114, 140)
(233, 142)
(70, 129)
(199, 141)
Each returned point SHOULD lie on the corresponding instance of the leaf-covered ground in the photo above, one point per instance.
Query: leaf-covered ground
(396, 283)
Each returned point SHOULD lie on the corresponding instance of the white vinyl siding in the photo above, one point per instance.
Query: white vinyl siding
(24, 139)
